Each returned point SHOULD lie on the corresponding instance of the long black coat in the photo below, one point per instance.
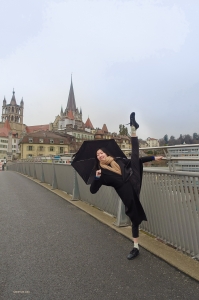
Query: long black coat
(124, 187)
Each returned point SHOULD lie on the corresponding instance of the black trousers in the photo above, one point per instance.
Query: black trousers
(135, 176)
(135, 231)
(135, 164)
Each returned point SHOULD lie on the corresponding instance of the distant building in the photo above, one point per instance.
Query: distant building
(151, 142)
(182, 165)
(46, 143)
(70, 117)
(13, 113)
(143, 144)
(8, 143)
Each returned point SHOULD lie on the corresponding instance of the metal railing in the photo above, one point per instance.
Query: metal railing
(170, 199)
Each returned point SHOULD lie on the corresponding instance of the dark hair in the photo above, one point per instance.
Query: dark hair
(106, 151)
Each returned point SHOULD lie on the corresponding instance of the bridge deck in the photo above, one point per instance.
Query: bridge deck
(52, 250)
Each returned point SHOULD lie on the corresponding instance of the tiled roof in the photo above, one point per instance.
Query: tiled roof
(4, 131)
(152, 139)
(70, 115)
(99, 131)
(46, 136)
(7, 125)
(104, 128)
(35, 128)
(88, 124)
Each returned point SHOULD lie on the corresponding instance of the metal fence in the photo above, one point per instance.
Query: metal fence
(170, 200)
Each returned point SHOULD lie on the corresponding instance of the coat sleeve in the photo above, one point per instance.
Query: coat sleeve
(147, 159)
(95, 185)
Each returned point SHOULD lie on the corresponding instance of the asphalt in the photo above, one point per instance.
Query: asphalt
(51, 248)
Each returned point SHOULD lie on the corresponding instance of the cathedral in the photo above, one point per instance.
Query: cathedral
(13, 113)
(71, 117)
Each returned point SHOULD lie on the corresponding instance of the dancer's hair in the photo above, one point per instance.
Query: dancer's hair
(97, 163)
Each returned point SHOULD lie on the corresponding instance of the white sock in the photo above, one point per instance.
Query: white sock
(133, 130)
(136, 245)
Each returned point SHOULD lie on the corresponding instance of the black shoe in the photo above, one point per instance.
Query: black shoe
(133, 121)
(133, 254)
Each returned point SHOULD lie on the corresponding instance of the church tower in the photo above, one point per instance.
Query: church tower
(71, 105)
(12, 112)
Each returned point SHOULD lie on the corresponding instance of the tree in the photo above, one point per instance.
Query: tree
(195, 136)
(188, 139)
(123, 130)
(172, 141)
(166, 139)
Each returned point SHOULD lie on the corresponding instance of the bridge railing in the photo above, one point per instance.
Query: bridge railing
(170, 200)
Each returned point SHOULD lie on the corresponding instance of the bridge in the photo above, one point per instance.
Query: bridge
(60, 242)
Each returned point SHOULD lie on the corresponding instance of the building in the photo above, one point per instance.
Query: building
(13, 113)
(151, 142)
(70, 117)
(8, 143)
(46, 143)
(182, 165)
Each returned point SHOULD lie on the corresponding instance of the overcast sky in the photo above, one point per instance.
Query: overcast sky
(124, 56)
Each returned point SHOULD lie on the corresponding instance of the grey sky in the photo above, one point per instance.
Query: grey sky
(125, 55)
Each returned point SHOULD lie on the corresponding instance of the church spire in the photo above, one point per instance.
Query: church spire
(71, 105)
(13, 100)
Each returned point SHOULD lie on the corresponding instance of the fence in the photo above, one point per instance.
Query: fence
(170, 200)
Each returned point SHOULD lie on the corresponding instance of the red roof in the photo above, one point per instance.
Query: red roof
(104, 128)
(88, 124)
(7, 125)
(4, 131)
(30, 129)
(70, 115)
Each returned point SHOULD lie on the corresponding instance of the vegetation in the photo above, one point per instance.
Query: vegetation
(182, 139)
(123, 130)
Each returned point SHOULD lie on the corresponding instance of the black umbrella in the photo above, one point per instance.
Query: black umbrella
(85, 159)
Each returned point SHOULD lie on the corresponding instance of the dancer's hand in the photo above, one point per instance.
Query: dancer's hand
(158, 157)
(98, 173)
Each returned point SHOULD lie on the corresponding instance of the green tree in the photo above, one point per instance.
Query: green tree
(123, 130)
(195, 136)
(166, 139)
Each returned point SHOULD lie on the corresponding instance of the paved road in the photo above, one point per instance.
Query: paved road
(51, 250)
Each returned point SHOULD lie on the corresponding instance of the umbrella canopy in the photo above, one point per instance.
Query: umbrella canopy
(85, 159)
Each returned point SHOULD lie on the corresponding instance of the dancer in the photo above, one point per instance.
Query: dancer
(125, 176)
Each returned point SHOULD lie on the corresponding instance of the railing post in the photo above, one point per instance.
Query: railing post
(54, 179)
(42, 173)
(25, 168)
(29, 169)
(76, 195)
(122, 218)
(34, 171)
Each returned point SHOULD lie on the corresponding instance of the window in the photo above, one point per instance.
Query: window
(61, 141)
(30, 140)
(30, 148)
(41, 140)
(51, 141)
(61, 150)
(41, 148)
(51, 149)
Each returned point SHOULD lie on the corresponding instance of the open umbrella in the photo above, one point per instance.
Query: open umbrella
(85, 159)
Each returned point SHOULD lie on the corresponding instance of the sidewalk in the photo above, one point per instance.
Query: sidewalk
(172, 256)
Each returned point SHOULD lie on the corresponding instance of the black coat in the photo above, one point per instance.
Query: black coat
(124, 187)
